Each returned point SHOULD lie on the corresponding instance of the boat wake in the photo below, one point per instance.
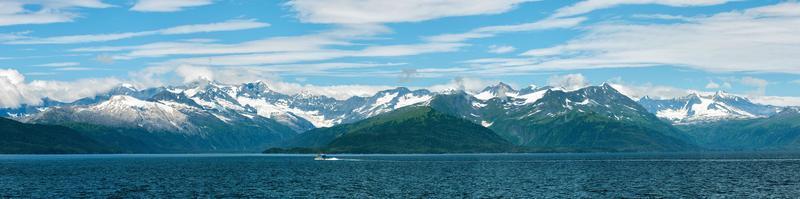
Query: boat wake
(323, 157)
(339, 159)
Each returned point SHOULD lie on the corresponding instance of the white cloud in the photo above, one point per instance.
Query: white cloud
(167, 5)
(650, 90)
(662, 17)
(759, 84)
(230, 25)
(712, 85)
(501, 49)
(382, 11)
(313, 43)
(14, 36)
(762, 39)
(319, 55)
(776, 100)
(60, 64)
(14, 91)
(467, 84)
(192, 73)
(726, 85)
(588, 6)
(568, 81)
(562, 18)
(277, 50)
(104, 58)
(74, 69)
(491, 31)
(15, 12)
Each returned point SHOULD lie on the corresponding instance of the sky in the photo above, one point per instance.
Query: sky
(68, 49)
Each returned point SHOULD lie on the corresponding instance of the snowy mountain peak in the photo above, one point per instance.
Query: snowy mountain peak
(721, 93)
(697, 107)
(127, 85)
(124, 101)
(499, 87)
(607, 86)
(501, 90)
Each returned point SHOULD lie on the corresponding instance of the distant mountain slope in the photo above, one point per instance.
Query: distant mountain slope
(697, 108)
(207, 116)
(168, 122)
(778, 132)
(137, 140)
(21, 138)
(593, 118)
(417, 129)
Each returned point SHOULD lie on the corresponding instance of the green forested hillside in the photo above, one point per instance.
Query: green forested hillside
(21, 138)
(779, 132)
(406, 130)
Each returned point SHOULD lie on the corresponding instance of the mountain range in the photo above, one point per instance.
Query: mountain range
(207, 116)
(699, 108)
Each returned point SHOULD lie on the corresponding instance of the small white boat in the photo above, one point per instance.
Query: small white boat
(322, 156)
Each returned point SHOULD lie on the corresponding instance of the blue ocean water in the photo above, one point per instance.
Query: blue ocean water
(737, 175)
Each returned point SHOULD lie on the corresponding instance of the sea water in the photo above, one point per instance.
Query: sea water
(737, 175)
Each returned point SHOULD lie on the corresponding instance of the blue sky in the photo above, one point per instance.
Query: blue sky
(663, 48)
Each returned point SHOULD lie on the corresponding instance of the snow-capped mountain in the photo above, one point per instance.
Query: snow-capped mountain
(123, 111)
(166, 108)
(698, 108)
(210, 116)
(553, 117)
(529, 116)
(169, 108)
(546, 102)
(304, 111)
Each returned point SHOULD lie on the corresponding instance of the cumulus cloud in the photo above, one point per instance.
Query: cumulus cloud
(167, 5)
(191, 73)
(712, 85)
(466, 84)
(568, 81)
(381, 11)
(17, 12)
(230, 25)
(14, 90)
